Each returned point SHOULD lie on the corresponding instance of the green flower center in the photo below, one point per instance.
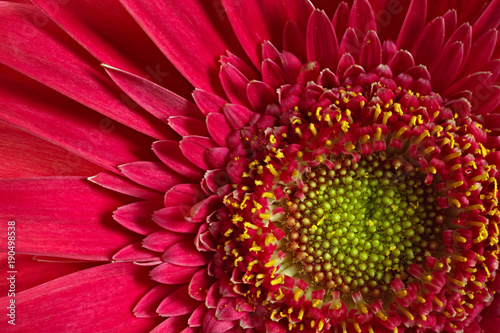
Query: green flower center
(358, 226)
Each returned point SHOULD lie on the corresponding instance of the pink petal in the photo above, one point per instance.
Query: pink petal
(202, 209)
(36, 272)
(195, 147)
(272, 74)
(291, 66)
(371, 51)
(152, 174)
(430, 42)
(162, 218)
(170, 153)
(481, 51)
(247, 70)
(237, 116)
(44, 113)
(413, 24)
(450, 22)
(350, 43)
(158, 101)
(199, 285)
(111, 35)
(469, 82)
(260, 95)
(81, 297)
(173, 274)
(226, 310)
(185, 126)
(137, 216)
(234, 84)
(340, 18)
(172, 324)
(401, 61)
(218, 157)
(446, 66)
(362, 18)
(161, 240)
(135, 253)
(257, 21)
(185, 254)
(181, 31)
(218, 128)
(123, 185)
(322, 44)
(184, 195)
(294, 41)
(208, 102)
(196, 318)
(25, 155)
(50, 225)
(488, 20)
(177, 303)
(212, 325)
(51, 57)
(146, 307)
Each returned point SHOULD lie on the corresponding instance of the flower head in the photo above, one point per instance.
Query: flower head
(340, 173)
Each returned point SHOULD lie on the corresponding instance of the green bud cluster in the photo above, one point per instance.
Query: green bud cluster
(360, 225)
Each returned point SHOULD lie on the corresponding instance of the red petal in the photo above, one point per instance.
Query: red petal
(488, 20)
(322, 44)
(413, 24)
(146, 307)
(65, 217)
(234, 84)
(185, 254)
(362, 18)
(161, 240)
(185, 126)
(169, 152)
(199, 285)
(158, 101)
(25, 155)
(173, 274)
(81, 298)
(218, 128)
(260, 95)
(195, 147)
(152, 174)
(181, 31)
(371, 51)
(430, 42)
(237, 116)
(108, 31)
(208, 102)
(123, 185)
(135, 253)
(44, 113)
(177, 303)
(184, 195)
(51, 57)
(137, 216)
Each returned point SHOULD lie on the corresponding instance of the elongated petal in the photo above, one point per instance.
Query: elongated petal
(160, 240)
(234, 84)
(488, 20)
(177, 303)
(49, 56)
(208, 102)
(195, 147)
(188, 25)
(413, 24)
(186, 254)
(173, 274)
(56, 218)
(257, 21)
(152, 174)
(430, 42)
(185, 126)
(111, 35)
(146, 307)
(170, 154)
(158, 101)
(136, 253)
(123, 185)
(109, 285)
(184, 195)
(371, 51)
(25, 155)
(447, 66)
(218, 128)
(44, 113)
(37, 272)
(362, 18)
(321, 40)
(137, 216)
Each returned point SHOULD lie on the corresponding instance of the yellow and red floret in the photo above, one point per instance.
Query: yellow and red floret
(391, 127)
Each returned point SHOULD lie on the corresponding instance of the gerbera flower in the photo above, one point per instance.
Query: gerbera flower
(315, 166)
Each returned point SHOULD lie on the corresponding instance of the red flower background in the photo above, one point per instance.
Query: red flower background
(155, 157)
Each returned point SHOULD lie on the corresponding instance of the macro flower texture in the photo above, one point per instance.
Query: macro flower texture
(250, 166)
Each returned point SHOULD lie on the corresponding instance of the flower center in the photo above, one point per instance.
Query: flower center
(360, 225)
